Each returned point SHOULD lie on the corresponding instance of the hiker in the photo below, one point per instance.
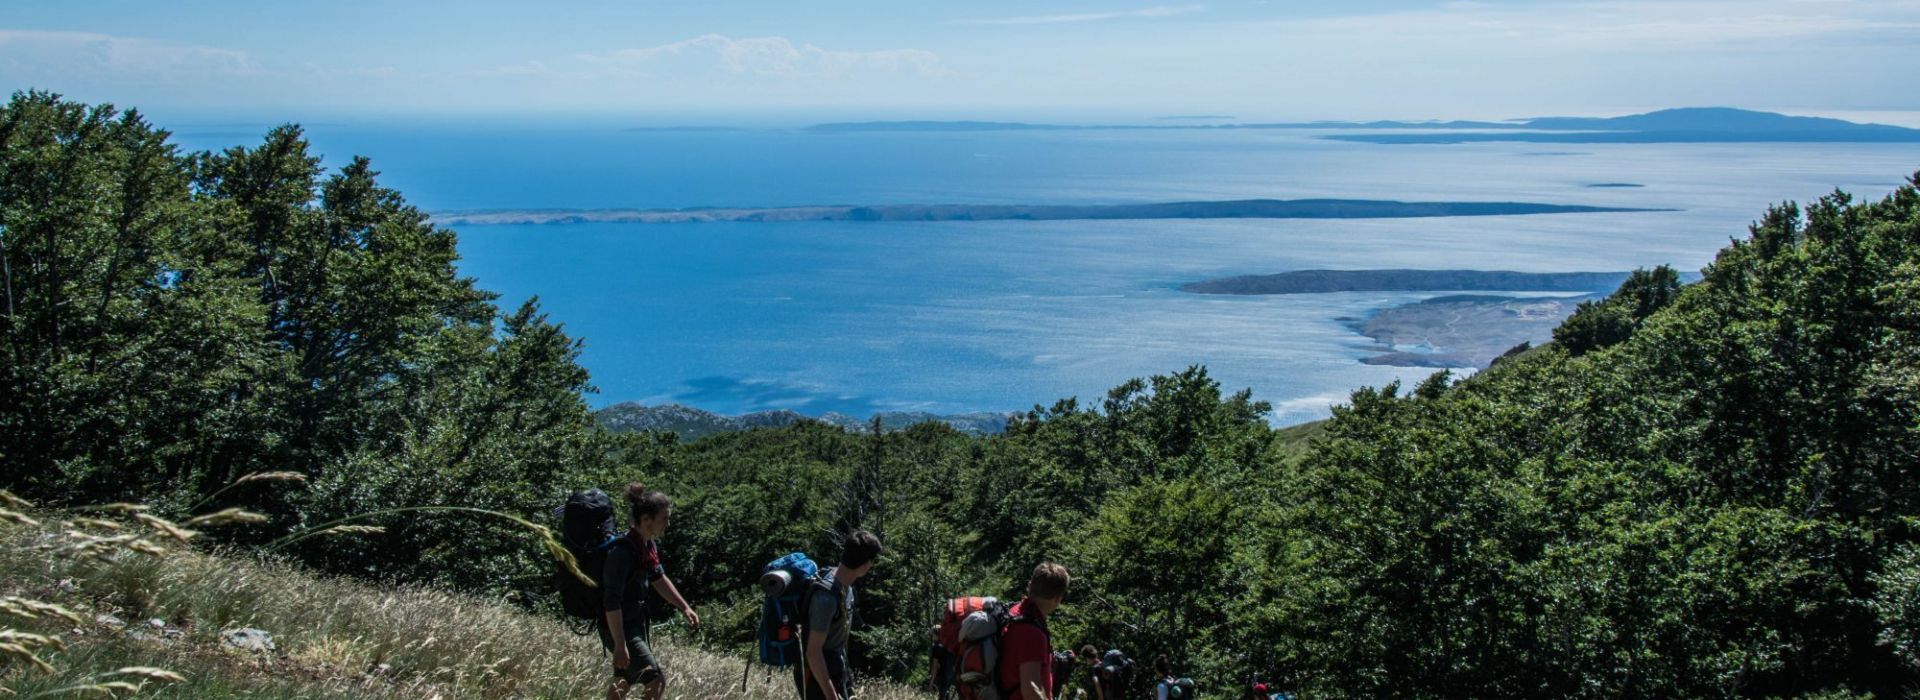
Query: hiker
(942, 666)
(1111, 672)
(1064, 662)
(1026, 654)
(1090, 655)
(822, 673)
(1169, 687)
(636, 559)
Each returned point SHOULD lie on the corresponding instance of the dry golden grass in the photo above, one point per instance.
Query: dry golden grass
(334, 637)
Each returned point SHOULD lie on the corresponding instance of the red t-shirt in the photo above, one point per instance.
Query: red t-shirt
(1024, 643)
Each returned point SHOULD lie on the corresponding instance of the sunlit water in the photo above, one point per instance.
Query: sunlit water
(962, 316)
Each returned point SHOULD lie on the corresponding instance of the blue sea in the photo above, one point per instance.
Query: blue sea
(950, 317)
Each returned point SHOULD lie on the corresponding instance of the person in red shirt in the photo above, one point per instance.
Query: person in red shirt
(1026, 648)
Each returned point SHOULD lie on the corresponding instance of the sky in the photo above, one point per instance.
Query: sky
(1088, 60)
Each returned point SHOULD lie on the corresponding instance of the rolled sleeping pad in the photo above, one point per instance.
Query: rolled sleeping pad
(775, 582)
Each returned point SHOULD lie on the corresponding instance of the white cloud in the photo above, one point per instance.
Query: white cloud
(776, 58)
(60, 58)
(1148, 12)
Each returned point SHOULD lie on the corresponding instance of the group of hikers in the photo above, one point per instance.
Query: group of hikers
(982, 649)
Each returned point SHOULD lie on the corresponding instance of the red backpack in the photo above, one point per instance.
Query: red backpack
(957, 611)
(978, 633)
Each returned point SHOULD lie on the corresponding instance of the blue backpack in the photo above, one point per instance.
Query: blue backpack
(784, 583)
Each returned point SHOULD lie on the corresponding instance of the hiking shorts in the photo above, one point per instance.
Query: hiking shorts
(642, 668)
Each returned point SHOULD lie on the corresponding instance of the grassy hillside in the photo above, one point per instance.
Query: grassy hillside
(333, 638)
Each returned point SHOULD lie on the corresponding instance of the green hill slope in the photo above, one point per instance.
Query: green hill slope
(329, 637)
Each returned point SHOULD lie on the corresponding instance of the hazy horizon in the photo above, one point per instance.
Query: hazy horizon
(1079, 60)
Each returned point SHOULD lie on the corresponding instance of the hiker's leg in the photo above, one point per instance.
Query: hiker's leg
(644, 669)
(656, 687)
(618, 689)
(802, 685)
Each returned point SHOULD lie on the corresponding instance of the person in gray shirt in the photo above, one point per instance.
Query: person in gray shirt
(822, 673)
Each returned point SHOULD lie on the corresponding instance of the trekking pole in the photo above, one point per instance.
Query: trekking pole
(744, 670)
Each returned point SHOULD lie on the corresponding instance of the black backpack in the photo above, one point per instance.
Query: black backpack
(588, 530)
(1118, 669)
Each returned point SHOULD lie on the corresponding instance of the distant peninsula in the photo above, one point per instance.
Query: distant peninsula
(1463, 330)
(1325, 281)
(1457, 330)
(1683, 125)
(692, 423)
(1232, 209)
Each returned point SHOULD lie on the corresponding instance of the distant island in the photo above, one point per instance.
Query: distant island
(953, 126)
(676, 129)
(692, 423)
(1683, 125)
(1233, 209)
(1324, 281)
(1691, 125)
(924, 125)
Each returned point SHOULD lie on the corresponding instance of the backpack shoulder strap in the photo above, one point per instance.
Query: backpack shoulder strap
(817, 585)
(623, 542)
(1022, 619)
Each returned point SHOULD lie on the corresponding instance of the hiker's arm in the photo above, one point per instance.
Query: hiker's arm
(1031, 686)
(817, 664)
(620, 653)
(664, 586)
(613, 596)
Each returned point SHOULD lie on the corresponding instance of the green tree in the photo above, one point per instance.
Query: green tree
(129, 349)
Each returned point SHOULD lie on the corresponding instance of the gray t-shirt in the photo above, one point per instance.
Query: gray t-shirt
(830, 610)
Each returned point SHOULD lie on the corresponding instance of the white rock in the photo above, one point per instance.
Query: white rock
(249, 639)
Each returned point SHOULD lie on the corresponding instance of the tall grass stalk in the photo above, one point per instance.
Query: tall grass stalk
(554, 548)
